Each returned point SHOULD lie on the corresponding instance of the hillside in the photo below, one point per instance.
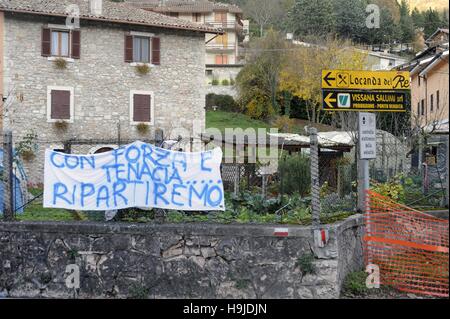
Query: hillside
(425, 4)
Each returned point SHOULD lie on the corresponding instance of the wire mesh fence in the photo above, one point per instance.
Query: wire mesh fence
(411, 173)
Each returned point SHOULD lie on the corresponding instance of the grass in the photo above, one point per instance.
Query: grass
(222, 120)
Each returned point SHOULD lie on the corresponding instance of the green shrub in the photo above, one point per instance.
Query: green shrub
(355, 283)
(215, 82)
(225, 82)
(295, 175)
(393, 189)
(232, 82)
(223, 102)
(306, 264)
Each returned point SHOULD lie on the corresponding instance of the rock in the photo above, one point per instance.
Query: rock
(208, 252)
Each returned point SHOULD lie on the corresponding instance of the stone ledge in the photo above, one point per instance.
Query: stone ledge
(204, 229)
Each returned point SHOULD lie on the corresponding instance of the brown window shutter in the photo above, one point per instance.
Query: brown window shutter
(141, 108)
(60, 105)
(46, 42)
(128, 48)
(76, 44)
(156, 51)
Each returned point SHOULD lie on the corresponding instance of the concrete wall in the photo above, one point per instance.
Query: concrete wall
(222, 73)
(175, 261)
(102, 82)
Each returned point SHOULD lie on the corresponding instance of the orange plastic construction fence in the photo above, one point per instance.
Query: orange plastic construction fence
(409, 247)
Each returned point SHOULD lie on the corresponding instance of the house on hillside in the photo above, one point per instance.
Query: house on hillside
(429, 111)
(223, 58)
(440, 36)
(121, 75)
(383, 61)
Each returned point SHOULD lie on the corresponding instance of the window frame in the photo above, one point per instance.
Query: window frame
(437, 99)
(147, 38)
(197, 17)
(49, 103)
(431, 103)
(69, 42)
(152, 107)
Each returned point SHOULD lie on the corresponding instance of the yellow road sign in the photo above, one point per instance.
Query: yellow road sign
(365, 101)
(365, 80)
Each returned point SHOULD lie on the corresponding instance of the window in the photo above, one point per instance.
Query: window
(220, 17)
(221, 59)
(141, 49)
(431, 103)
(418, 108)
(60, 42)
(422, 107)
(437, 100)
(141, 107)
(222, 40)
(60, 104)
(197, 17)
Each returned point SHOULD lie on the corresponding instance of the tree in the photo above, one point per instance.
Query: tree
(388, 31)
(432, 21)
(350, 19)
(417, 19)
(406, 24)
(258, 81)
(312, 18)
(302, 71)
(263, 12)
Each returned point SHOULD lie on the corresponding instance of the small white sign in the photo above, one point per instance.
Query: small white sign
(281, 232)
(367, 135)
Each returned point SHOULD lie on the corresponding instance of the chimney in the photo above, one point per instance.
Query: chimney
(95, 7)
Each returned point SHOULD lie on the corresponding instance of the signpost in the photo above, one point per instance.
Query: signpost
(365, 91)
(365, 80)
(374, 101)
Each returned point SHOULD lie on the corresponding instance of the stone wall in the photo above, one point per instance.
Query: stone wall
(102, 82)
(175, 260)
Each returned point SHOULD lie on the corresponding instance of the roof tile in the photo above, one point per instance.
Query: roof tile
(111, 12)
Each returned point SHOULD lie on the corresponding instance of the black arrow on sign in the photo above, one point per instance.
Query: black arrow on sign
(327, 79)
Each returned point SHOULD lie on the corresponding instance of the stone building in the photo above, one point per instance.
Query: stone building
(114, 74)
(223, 55)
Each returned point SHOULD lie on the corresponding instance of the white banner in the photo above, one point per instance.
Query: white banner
(135, 175)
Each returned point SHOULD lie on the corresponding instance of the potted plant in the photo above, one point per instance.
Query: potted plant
(61, 125)
(60, 63)
(142, 128)
(143, 69)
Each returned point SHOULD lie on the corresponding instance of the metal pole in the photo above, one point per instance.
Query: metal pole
(8, 199)
(315, 187)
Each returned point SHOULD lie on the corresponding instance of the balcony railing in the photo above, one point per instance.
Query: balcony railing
(220, 46)
(225, 25)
